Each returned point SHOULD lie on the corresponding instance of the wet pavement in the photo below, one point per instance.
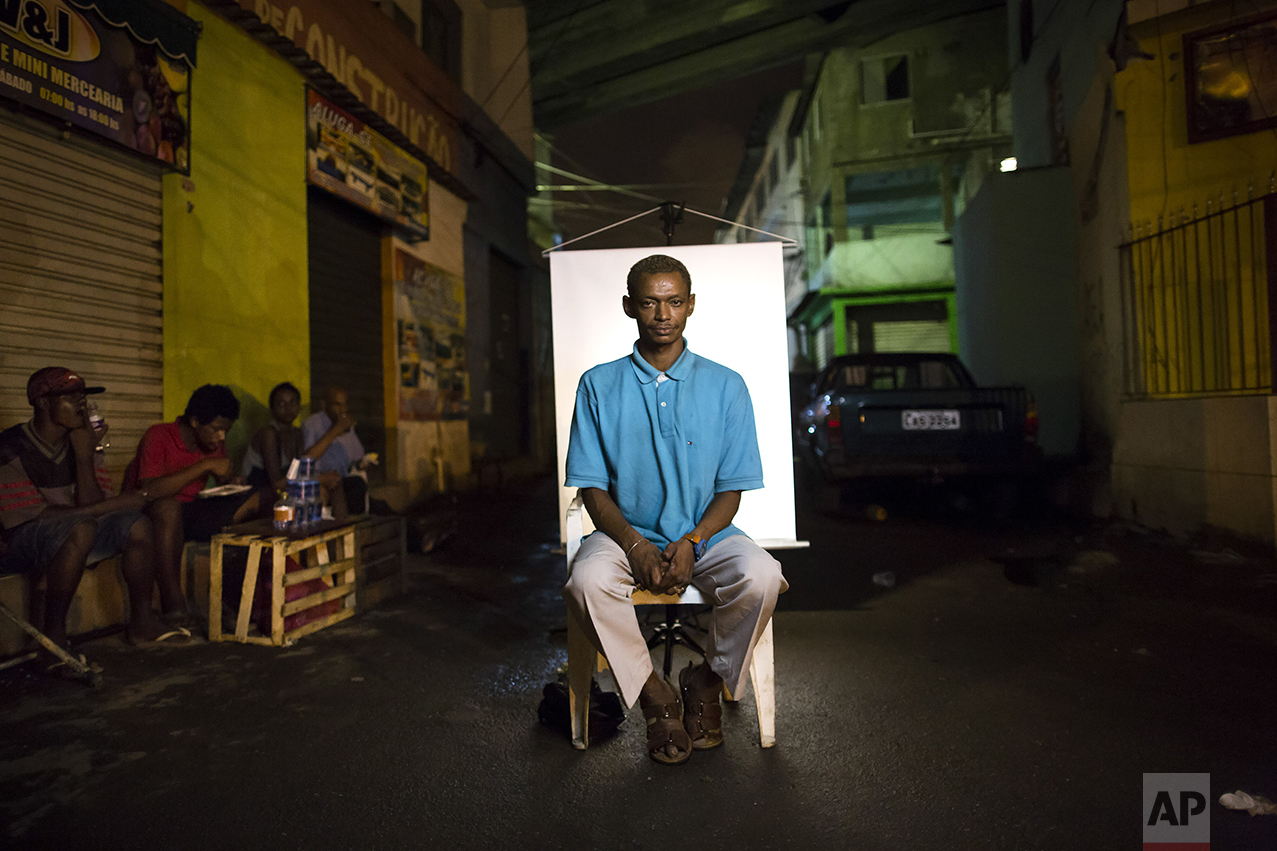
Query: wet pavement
(979, 703)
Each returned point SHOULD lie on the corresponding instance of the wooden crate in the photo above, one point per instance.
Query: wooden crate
(361, 562)
(318, 560)
(382, 546)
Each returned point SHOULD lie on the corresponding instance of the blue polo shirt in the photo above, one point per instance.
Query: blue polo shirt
(662, 447)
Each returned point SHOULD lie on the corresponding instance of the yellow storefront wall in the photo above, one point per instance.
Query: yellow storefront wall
(235, 261)
(1170, 178)
(1166, 173)
(1208, 460)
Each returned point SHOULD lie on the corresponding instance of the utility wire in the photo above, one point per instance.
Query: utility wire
(594, 184)
(506, 73)
(567, 24)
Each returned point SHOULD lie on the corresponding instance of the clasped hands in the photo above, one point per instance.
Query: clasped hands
(667, 572)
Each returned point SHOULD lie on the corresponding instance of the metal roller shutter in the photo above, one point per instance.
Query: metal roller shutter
(915, 336)
(346, 313)
(80, 275)
(910, 326)
(824, 345)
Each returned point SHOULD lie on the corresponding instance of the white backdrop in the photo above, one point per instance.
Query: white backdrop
(739, 322)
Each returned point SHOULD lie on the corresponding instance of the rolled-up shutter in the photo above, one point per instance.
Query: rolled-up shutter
(80, 275)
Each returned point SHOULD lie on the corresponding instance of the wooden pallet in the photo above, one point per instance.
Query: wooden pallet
(360, 562)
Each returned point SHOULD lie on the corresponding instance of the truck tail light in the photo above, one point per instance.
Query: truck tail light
(833, 425)
(1031, 420)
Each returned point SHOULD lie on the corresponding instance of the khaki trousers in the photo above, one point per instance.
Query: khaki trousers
(738, 576)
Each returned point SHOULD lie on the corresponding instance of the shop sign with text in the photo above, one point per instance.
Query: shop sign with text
(362, 166)
(75, 65)
(382, 67)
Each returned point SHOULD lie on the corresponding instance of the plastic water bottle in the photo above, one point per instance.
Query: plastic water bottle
(314, 502)
(284, 512)
(295, 499)
(303, 503)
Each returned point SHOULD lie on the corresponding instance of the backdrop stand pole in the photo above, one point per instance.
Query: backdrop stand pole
(671, 219)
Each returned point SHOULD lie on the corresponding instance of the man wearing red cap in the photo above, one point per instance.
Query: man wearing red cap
(55, 516)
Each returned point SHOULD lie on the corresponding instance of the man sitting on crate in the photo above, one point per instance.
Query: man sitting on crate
(174, 462)
(55, 514)
(662, 444)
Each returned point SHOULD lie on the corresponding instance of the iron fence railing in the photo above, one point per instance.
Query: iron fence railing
(1197, 291)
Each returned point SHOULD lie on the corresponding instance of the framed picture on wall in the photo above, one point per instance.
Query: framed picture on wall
(1230, 78)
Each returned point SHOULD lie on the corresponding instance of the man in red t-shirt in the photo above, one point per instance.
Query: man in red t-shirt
(174, 462)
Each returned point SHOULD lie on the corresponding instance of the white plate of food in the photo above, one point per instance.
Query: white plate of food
(224, 490)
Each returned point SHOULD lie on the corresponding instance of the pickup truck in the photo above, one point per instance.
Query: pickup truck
(914, 415)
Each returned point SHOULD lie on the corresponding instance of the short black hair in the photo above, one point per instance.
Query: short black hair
(210, 402)
(280, 388)
(656, 264)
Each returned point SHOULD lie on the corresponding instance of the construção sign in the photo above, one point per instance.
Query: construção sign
(378, 64)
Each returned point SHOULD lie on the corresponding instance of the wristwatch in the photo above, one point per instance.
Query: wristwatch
(699, 545)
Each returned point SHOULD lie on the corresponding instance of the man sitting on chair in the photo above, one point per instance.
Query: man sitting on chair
(662, 444)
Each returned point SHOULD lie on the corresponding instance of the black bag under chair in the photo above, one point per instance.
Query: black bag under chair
(606, 711)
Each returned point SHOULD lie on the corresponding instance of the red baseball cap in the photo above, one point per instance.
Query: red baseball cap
(54, 380)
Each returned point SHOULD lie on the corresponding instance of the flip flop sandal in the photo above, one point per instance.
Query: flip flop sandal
(174, 637)
(703, 720)
(664, 728)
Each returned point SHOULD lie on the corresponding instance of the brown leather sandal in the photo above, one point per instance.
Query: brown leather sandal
(664, 728)
(702, 720)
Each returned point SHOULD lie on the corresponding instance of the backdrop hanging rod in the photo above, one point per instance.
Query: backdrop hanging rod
(784, 239)
(553, 248)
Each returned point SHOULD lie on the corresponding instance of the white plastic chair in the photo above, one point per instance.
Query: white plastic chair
(584, 660)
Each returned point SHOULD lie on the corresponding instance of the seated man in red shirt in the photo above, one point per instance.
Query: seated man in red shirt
(55, 512)
(173, 464)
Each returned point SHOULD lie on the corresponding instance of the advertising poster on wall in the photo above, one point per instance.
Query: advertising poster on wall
(430, 328)
(67, 59)
(349, 159)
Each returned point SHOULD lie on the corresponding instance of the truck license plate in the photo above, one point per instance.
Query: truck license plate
(930, 420)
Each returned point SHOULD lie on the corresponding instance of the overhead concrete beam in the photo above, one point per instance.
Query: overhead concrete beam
(864, 22)
(626, 32)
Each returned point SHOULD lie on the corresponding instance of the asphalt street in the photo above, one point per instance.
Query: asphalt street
(1008, 691)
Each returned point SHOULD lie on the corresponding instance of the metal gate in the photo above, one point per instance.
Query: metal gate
(1196, 301)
